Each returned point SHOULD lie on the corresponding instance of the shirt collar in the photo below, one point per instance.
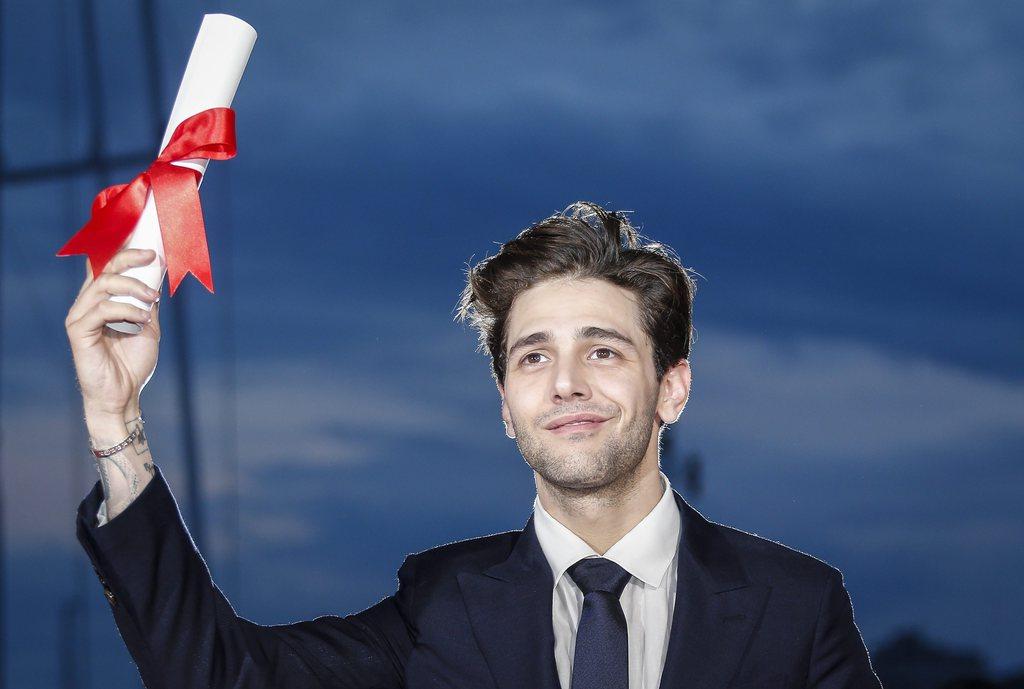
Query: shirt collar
(645, 551)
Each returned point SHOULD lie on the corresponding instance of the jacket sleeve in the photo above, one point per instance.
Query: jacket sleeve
(839, 658)
(183, 633)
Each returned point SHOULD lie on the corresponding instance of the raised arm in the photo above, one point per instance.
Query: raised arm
(178, 626)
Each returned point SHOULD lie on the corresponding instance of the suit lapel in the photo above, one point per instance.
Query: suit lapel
(717, 608)
(509, 607)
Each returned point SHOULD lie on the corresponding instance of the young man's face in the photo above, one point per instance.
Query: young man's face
(565, 357)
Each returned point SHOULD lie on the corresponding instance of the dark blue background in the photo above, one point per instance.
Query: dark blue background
(845, 177)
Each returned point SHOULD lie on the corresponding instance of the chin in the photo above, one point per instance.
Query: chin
(573, 476)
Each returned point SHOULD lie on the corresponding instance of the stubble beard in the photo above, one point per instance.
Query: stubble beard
(586, 465)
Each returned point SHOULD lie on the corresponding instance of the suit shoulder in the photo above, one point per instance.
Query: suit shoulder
(468, 554)
(775, 561)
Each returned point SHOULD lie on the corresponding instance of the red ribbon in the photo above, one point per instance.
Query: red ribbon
(209, 134)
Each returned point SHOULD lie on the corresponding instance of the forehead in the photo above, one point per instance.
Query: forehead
(562, 305)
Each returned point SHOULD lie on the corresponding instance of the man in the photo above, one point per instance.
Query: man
(615, 581)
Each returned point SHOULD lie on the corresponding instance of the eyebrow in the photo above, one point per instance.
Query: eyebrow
(588, 332)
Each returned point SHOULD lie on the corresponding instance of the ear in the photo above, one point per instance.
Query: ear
(674, 391)
(505, 416)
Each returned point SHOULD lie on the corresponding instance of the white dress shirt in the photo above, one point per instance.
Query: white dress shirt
(649, 551)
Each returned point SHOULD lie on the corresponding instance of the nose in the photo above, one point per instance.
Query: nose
(570, 382)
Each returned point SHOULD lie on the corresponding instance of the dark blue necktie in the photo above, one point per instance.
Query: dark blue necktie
(601, 660)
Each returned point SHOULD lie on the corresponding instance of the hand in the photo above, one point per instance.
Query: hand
(113, 367)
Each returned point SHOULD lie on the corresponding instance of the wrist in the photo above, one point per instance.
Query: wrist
(106, 430)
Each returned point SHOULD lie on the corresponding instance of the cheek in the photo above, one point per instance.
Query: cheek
(525, 390)
(629, 393)
(519, 399)
(615, 393)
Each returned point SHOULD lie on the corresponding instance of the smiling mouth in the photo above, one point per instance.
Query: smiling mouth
(576, 426)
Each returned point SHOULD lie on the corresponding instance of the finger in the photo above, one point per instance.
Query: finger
(108, 285)
(127, 258)
(106, 312)
(119, 262)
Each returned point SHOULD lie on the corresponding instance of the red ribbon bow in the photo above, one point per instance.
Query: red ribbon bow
(209, 134)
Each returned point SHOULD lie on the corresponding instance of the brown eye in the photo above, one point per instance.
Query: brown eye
(605, 349)
(524, 360)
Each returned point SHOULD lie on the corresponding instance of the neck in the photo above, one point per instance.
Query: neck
(603, 516)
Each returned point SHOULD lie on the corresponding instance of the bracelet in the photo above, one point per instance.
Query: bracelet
(99, 454)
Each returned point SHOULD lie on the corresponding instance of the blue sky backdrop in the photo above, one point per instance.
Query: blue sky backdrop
(845, 178)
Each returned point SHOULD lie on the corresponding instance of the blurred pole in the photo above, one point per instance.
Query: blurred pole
(73, 638)
(67, 643)
(693, 475)
(3, 544)
(685, 472)
(73, 613)
(97, 112)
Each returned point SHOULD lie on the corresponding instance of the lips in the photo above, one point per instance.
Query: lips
(583, 420)
(580, 428)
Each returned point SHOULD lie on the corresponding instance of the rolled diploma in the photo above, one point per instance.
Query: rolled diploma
(211, 78)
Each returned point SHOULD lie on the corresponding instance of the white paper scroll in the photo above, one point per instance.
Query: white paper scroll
(211, 78)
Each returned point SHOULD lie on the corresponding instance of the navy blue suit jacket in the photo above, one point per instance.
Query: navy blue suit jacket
(475, 614)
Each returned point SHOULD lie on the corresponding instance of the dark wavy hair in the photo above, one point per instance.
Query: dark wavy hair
(583, 241)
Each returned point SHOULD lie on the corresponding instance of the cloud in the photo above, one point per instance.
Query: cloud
(787, 83)
(290, 529)
(978, 535)
(807, 400)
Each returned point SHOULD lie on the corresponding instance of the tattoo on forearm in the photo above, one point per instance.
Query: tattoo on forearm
(102, 466)
(141, 443)
(141, 446)
(121, 462)
(105, 466)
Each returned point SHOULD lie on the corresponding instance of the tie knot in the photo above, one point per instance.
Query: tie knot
(599, 574)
